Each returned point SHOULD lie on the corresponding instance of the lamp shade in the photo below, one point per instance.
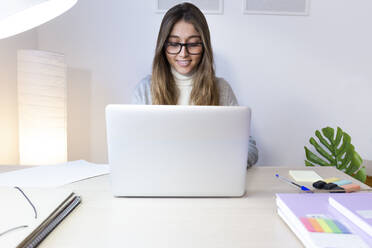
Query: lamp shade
(42, 107)
(17, 16)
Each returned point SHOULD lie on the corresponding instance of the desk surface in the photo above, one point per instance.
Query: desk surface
(251, 221)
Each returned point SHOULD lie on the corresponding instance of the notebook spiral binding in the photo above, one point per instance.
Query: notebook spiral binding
(34, 243)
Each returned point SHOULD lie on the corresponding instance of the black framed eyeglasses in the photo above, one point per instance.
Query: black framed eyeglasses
(191, 48)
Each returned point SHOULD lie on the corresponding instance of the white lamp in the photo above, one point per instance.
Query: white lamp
(42, 107)
(41, 83)
(17, 16)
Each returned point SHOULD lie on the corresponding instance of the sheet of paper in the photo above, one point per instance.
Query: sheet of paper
(53, 175)
(304, 175)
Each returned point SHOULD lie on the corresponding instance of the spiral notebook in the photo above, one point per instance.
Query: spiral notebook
(29, 215)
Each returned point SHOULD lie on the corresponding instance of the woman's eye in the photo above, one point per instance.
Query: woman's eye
(173, 44)
(193, 44)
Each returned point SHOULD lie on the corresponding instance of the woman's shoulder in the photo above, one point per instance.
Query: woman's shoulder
(227, 96)
(142, 91)
(144, 82)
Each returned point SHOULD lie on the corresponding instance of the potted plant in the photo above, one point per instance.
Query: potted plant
(336, 150)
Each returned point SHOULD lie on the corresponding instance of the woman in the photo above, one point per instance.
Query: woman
(183, 69)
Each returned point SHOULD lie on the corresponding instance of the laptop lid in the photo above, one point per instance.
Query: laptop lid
(172, 150)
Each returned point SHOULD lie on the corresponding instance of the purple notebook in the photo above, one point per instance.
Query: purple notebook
(300, 206)
(356, 207)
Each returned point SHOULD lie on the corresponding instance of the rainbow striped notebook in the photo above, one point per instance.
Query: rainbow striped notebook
(317, 224)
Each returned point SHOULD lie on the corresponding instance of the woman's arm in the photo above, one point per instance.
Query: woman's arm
(252, 152)
(142, 92)
(228, 98)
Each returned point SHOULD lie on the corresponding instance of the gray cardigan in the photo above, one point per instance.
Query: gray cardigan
(142, 95)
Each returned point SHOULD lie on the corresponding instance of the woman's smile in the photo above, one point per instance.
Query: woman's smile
(183, 63)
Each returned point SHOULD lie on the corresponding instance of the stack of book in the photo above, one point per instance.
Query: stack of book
(328, 220)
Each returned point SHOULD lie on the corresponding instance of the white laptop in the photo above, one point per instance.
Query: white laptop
(178, 151)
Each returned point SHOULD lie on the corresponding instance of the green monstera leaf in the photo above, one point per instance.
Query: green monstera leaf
(335, 150)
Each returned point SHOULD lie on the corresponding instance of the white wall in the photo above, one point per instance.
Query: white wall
(297, 73)
(8, 94)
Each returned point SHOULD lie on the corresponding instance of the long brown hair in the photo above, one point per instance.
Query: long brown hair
(163, 87)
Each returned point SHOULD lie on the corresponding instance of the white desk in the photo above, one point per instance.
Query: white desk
(251, 221)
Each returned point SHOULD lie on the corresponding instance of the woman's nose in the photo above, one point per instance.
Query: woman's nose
(183, 52)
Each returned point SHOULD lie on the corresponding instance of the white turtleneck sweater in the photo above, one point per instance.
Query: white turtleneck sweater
(142, 95)
(184, 84)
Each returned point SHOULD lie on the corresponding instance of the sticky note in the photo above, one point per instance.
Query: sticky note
(333, 226)
(315, 225)
(351, 187)
(324, 225)
(342, 182)
(307, 224)
(341, 227)
(304, 175)
(331, 179)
